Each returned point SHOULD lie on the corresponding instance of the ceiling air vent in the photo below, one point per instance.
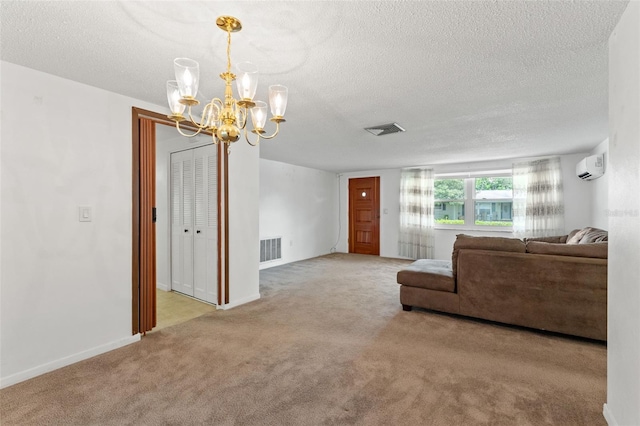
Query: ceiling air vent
(384, 129)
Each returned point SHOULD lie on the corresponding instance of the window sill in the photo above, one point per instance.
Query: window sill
(474, 229)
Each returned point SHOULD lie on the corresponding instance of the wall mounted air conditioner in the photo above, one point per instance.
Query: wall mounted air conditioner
(591, 167)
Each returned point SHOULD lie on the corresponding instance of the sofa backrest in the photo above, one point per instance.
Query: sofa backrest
(484, 243)
(594, 250)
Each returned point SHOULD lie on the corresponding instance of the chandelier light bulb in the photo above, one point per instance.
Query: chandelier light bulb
(173, 96)
(245, 83)
(187, 75)
(246, 80)
(278, 100)
(259, 115)
(187, 79)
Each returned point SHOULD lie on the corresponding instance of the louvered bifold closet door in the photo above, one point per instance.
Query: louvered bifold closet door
(205, 253)
(182, 206)
(147, 279)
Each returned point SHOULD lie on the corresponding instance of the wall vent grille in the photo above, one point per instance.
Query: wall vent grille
(270, 249)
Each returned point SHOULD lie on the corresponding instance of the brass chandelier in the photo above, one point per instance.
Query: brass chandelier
(225, 119)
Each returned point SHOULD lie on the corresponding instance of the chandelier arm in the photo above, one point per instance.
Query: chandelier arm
(186, 134)
(274, 133)
(244, 115)
(200, 126)
(204, 119)
(246, 137)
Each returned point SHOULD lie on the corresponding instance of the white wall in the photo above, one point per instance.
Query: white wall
(623, 353)
(600, 190)
(577, 196)
(168, 140)
(298, 204)
(244, 205)
(66, 285)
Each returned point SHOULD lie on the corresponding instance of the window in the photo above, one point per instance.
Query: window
(493, 201)
(449, 196)
(490, 198)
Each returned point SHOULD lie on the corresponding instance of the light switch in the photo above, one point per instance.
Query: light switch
(385, 211)
(84, 213)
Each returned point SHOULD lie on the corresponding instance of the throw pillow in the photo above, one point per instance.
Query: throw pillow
(576, 235)
(594, 235)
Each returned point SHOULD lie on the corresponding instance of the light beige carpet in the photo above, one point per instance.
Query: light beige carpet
(328, 343)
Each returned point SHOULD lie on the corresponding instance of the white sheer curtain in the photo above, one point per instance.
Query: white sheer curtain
(416, 214)
(538, 201)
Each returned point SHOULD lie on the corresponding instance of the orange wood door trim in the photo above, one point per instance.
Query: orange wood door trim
(147, 226)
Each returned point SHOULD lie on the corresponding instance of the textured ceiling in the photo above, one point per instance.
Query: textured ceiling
(468, 80)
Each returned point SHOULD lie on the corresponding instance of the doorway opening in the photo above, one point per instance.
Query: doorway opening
(145, 203)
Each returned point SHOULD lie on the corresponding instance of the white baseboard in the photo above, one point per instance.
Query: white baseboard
(162, 287)
(239, 302)
(608, 416)
(63, 362)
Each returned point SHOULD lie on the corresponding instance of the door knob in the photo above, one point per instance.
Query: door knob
(198, 231)
(186, 230)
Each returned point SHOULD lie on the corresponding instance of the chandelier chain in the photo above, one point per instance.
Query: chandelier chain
(228, 51)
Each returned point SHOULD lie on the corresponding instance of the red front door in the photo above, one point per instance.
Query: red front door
(364, 215)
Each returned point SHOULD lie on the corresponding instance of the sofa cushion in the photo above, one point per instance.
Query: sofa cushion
(556, 239)
(484, 243)
(596, 250)
(428, 273)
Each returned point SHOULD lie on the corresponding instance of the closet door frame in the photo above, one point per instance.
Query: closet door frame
(138, 304)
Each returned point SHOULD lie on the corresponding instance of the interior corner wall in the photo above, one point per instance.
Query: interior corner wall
(244, 206)
(623, 345)
(600, 190)
(66, 284)
(298, 204)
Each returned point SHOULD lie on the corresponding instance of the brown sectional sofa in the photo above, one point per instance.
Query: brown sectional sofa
(556, 283)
